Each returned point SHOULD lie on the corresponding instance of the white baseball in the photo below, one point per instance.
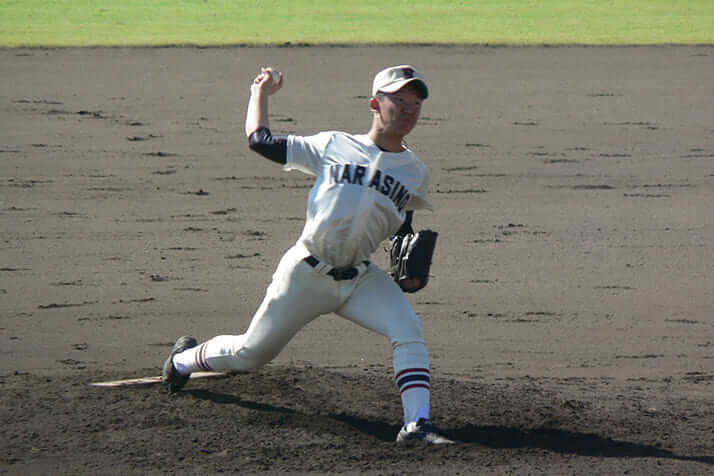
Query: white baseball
(274, 75)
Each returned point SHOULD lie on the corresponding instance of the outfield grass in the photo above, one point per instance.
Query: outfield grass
(218, 22)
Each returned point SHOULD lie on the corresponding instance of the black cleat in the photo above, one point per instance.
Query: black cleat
(422, 430)
(173, 380)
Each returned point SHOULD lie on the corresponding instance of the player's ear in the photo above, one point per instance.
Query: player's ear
(374, 104)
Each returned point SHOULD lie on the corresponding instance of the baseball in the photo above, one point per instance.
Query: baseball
(274, 74)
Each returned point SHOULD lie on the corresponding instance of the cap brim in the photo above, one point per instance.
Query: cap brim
(396, 86)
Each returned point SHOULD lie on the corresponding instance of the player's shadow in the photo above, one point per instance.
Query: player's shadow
(555, 440)
(378, 429)
(225, 398)
(493, 436)
(562, 441)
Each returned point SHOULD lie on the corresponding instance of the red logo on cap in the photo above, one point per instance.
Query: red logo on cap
(408, 72)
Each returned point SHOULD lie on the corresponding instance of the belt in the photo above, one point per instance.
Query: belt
(338, 274)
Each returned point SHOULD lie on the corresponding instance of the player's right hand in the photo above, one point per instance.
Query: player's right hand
(264, 84)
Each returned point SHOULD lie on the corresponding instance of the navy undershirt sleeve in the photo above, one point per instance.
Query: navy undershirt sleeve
(271, 147)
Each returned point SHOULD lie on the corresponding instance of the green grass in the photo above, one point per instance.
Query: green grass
(218, 22)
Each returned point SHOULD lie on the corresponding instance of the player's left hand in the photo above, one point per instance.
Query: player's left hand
(410, 259)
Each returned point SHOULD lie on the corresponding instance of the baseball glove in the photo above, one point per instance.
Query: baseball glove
(410, 259)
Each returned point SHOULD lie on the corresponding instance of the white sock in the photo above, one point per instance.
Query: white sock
(191, 360)
(411, 373)
(416, 405)
(415, 398)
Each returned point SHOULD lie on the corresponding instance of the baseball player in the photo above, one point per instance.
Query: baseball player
(366, 188)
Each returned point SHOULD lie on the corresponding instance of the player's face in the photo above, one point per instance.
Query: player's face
(400, 111)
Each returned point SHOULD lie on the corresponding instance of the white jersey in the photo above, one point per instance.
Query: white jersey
(360, 196)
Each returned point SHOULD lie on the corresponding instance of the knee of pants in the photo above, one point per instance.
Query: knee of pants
(410, 355)
(257, 357)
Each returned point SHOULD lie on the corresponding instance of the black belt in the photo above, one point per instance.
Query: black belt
(338, 274)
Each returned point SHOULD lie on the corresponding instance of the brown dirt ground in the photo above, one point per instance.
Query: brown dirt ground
(569, 317)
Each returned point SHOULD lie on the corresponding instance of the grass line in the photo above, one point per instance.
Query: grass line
(220, 22)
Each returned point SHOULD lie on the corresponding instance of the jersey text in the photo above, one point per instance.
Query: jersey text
(383, 183)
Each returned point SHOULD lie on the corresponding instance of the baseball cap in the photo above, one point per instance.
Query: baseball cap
(394, 78)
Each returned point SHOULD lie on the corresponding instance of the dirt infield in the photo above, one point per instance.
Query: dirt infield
(569, 319)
